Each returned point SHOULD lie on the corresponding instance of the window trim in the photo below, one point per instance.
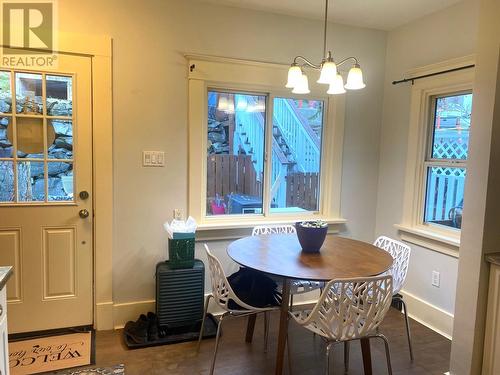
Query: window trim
(412, 226)
(257, 77)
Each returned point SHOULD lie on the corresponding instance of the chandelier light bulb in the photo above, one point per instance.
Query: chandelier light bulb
(328, 73)
(294, 76)
(337, 86)
(355, 78)
(222, 103)
(302, 86)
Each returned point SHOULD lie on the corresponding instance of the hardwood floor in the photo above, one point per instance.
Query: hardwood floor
(432, 352)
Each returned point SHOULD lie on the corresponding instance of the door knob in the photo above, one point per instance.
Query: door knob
(84, 214)
(84, 195)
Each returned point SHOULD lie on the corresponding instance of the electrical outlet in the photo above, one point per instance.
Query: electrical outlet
(435, 278)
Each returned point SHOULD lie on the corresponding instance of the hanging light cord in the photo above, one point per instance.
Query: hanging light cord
(324, 31)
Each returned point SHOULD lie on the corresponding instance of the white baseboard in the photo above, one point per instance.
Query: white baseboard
(123, 312)
(104, 316)
(429, 315)
(423, 312)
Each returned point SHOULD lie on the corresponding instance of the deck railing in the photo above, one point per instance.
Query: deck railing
(232, 174)
(302, 190)
(298, 135)
(447, 192)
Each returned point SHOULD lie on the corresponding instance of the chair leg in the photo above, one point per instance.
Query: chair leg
(266, 331)
(329, 347)
(387, 352)
(291, 301)
(205, 309)
(289, 354)
(407, 322)
(346, 356)
(217, 339)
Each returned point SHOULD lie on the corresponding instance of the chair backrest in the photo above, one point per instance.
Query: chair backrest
(221, 289)
(401, 254)
(351, 308)
(273, 229)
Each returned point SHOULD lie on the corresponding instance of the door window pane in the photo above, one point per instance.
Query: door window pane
(5, 137)
(30, 181)
(29, 93)
(296, 154)
(451, 127)
(5, 93)
(235, 153)
(6, 181)
(60, 182)
(59, 96)
(60, 139)
(30, 137)
(445, 196)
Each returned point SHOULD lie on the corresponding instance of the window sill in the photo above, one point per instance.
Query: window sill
(230, 230)
(431, 240)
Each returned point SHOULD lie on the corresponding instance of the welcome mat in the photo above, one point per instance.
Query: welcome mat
(48, 354)
(118, 369)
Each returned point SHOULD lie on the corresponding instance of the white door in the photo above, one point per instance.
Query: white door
(46, 194)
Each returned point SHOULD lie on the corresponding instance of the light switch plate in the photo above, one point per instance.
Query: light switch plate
(436, 279)
(153, 158)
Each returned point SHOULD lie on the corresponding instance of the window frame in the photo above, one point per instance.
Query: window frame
(214, 76)
(413, 227)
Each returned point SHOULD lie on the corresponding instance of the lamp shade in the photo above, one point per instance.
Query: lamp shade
(337, 86)
(222, 106)
(294, 76)
(328, 73)
(302, 86)
(355, 79)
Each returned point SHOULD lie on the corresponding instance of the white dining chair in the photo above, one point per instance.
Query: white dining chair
(401, 254)
(349, 309)
(222, 294)
(296, 286)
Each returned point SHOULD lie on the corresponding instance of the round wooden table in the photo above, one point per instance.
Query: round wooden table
(281, 255)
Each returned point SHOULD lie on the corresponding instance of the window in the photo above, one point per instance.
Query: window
(236, 157)
(446, 160)
(36, 138)
(438, 142)
(235, 153)
(257, 153)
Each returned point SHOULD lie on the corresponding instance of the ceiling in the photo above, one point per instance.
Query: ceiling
(377, 14)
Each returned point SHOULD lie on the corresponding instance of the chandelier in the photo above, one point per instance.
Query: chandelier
(329, 73)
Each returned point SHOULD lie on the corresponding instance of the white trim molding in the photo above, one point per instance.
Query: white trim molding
(267, 78)
(123, 312)
(433, 317)
(412, 227)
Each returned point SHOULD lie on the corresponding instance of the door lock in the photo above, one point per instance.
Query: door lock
(84, 194)
(84, 213)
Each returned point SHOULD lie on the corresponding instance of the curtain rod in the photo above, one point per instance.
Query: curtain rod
(432, 74)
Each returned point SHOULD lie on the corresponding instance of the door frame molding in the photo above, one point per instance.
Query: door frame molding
(99, 49)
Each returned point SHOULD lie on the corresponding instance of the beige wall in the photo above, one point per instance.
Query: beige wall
(150, 111)
(448, 34)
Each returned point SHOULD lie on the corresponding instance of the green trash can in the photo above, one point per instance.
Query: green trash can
(181, 250)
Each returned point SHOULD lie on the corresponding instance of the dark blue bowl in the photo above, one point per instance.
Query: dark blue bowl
(311, 239)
